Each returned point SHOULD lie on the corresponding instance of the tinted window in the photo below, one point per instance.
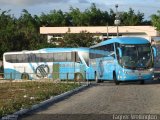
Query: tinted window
(41, 57)
(101, 51)
(21, 58)
(85, 56)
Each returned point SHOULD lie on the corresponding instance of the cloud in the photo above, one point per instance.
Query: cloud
(37, 2)
(147, 7)
(30, 2)
(83, 1)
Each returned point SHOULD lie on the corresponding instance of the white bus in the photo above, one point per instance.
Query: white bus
(62, 63)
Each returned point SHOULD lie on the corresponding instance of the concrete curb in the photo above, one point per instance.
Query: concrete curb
(53, 99)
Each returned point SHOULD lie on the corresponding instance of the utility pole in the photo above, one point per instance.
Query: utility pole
(107, 32)
(117, 21)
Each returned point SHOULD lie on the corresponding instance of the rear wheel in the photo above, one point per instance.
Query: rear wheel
(102, 81)
(142, 82)
(25, 76)
(115, 79)
(78, 77)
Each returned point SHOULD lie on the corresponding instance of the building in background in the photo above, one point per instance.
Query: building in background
(102, 32)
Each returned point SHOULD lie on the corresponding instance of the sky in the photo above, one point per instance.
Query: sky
(36, 7)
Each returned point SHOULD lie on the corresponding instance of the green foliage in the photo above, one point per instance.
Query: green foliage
(83, 39)
(90, 17)
(7, 29)
(155, 19)
(53, 19)
(131, 19)
(20, 95)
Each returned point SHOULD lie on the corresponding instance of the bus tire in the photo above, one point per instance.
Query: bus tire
(25, 76)
(142, 82)
(115, 79)
(78, 77)
(96, 78)
(102, 81)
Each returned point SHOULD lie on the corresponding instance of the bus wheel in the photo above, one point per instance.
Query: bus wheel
(96, 78)
(25, 76)
(102, 81)
(142, 82)
(115, 79)
(78, 77)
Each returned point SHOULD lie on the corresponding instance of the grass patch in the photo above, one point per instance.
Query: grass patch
(19, 95)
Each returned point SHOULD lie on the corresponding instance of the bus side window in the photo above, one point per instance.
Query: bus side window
(20, 58)
(13, 58)
(110, 49)
(68, 56)
(43, 57)
(75, 57)
(8, 58)
(32, 57)
(49, 57)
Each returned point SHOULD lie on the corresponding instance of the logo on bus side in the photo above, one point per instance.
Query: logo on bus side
(42, 71)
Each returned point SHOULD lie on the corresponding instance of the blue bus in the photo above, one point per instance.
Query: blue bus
(122, 59)
(53, 63)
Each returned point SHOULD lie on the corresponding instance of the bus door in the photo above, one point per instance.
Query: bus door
(108, 68)
(56, 70)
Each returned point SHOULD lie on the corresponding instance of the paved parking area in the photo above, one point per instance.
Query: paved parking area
(107, 98)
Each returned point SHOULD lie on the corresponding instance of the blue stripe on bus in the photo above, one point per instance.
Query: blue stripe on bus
(13, 74)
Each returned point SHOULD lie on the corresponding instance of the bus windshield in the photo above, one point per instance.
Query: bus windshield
(136, 56)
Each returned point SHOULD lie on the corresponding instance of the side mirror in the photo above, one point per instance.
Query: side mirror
(120, 52)
(154, 51)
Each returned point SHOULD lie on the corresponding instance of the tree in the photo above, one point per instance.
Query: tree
(95, 15)
(28, 27)
(112, 17)
(90, 17)
(130, 18)
(82, 39)
(76, 17)
(53, 19)
(155, 19)
(7, 29)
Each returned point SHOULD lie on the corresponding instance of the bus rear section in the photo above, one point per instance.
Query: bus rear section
(50, 63)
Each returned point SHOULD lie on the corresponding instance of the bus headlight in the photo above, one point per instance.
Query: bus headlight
(151, 70)
(128, 72)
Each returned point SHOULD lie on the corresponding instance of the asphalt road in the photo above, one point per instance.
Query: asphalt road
(107, 98)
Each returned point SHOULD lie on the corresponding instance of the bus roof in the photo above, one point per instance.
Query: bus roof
(63, 49)
(123, 40)
(50, 50)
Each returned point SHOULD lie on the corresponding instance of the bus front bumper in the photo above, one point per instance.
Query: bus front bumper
(136, 75)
